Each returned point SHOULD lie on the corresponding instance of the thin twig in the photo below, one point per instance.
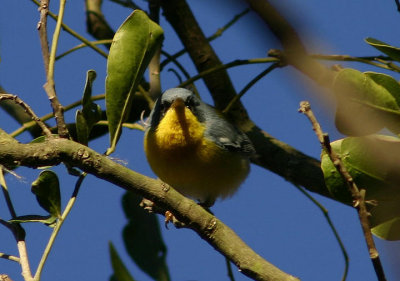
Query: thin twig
(50, 84)
(357, 194)
(9, 257)
(74, 33)
(378, 61)
(83, 45)
(58, 226)
(249, 85)
(217, 34)
(46, 117)
(330, 223)
(28, 110)
(24, 260)
(42, 28)
(154, 65)
(229, 269)
(17, 231)
(226, 66)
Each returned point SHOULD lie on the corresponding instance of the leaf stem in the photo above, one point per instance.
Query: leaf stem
(377, 61)
(83, 45)
(226, 66)
(217, 34)
(249, 85)
(57, 228)
(330, 223)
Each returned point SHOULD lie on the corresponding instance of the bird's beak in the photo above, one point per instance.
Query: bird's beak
(178, 104)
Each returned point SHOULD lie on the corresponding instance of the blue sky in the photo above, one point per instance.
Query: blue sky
(267, 212)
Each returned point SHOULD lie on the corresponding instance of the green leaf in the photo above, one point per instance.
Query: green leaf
(385, 48)
(41, 139)
(389, 230)
(373, 164)
(47, 190)
(143, 240)
(47, 220)
(132, 48)
(121, 273)
(82, 128)
(91, 112)
(371, 96)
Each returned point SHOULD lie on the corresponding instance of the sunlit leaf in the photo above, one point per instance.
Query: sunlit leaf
(47, 190)
(365, 104)
(120, 273)
(143, 240)
(385, 48)
(132, 48)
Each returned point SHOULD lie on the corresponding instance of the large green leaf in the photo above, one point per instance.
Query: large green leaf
(143, 240)
(120, 273)
(47, 190)
(132, 48)
(366, 102)
(373, 163)
(385, 48)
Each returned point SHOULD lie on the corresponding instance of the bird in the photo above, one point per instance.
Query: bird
(192, 147)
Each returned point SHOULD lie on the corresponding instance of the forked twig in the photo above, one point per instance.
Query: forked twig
(28, 110)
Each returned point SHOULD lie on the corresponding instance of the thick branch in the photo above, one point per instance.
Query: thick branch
(96, 23)
(179, 15)
(221, 237)
(295, 52)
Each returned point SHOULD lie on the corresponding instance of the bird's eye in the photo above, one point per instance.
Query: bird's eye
(164, 107)
(190, 103)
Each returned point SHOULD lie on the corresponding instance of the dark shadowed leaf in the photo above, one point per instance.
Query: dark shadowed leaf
(132, 48)
(47, 190)
(391, 51)
(143, 239)
(121, 273)
(47, 220)
(91, 112)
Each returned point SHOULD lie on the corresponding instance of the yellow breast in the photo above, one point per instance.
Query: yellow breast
(180, 155)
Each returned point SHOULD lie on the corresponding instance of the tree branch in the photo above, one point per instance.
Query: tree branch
(217, 234)
(295, 52)
(42, 28)
(179, 15)
(96, 23)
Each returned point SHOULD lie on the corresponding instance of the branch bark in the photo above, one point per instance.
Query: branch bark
(294, 50)
(217, 234)
(96, 23)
